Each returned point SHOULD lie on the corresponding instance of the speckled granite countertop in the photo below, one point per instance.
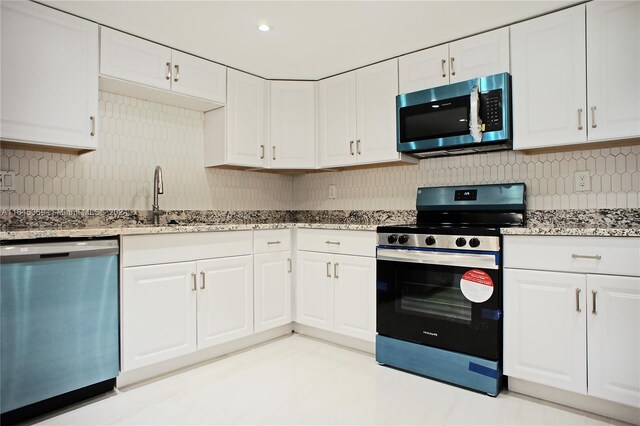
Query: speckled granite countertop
(16, 224)
(150, 229)
(598, 223)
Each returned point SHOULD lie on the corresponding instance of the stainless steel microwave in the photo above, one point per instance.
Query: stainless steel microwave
(459, 118)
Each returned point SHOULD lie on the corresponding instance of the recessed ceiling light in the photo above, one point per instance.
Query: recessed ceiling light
(264, 27)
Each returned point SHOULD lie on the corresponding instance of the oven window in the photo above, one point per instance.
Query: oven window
(438, 296)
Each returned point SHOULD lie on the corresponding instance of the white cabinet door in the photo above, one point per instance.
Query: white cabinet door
(480, 55)
(272, 290)
(337, 120)
(225, 299)
(158, 313)
(613, 64)
(377, 88)
(355, 296)
(548, 67)
(614, 338)
(197, 77)
(293, 125)
(133, 59)
(314, 289)
(545, 339)
(424, 69)
(49, 77)
(246, 120)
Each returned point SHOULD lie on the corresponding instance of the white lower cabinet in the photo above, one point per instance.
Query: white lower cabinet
(544, 328)
(158, 313)
(272, 290)
(613, 319)
(172, 309)
(337, 293)
(355, 296)
(570, 329)
(225, 300)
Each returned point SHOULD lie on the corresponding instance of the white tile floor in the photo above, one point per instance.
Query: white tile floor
(298, 380)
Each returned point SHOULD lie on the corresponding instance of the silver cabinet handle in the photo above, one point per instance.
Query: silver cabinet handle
(93, 125)
(593, 299)
(177, 77)
(333, 242)
(274, 152)
(580, 119)
(335, 270)
(195, 281)
(290, 265)
(358, 150)
(593, 117)
(351, 147)
(581, 256)
(328, 269)
(202, 287)
(168, 75)
(262, 155)
(273, 242)
(451, 65)
(442, 67)
(578, 300)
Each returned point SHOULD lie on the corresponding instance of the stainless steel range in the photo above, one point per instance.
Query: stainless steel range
(439, 285)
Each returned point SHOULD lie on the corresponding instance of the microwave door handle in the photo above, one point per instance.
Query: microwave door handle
(475, 123)
(465, 260)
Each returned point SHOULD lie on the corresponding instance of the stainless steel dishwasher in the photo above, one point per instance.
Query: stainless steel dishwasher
(59, 332)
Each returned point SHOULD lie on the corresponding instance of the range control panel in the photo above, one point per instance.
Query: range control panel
(434, 241)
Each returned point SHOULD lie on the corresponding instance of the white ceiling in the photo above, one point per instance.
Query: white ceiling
(309, 39)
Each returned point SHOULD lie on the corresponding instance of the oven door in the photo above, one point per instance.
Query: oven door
(442, 298)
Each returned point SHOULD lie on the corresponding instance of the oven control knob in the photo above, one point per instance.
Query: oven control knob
(474, 242)
(430, 240)
(403, 239)
(392, 238)
(461, 242)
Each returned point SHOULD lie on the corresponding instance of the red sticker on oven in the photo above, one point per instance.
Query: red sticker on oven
(476, 285)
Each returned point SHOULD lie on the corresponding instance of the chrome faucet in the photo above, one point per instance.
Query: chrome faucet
(157, 189)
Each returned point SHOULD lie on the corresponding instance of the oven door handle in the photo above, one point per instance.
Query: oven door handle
(465, 260)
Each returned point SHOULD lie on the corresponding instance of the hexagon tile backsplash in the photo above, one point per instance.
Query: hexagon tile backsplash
(137, 135)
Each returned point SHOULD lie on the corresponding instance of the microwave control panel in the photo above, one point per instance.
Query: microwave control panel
(491, 110)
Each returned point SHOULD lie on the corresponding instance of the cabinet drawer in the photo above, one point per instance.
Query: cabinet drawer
(359, 243)
(598, 255)
(169, 248)
(271, 240)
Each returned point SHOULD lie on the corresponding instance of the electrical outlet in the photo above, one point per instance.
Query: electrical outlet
(7, 181)
(583, 181)
(333, 192)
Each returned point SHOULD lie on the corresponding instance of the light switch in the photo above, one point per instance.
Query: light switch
(7, 181)
(333, 192)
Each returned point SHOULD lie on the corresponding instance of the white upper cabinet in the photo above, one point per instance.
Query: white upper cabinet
(424, 69)
(357, 117)
(477, 56)
(136, 67)
(337, 120)
(293, 125)
(197, 77)
(471, 57)
(49, 77)
(236, 136)
(575, 82)
(134, 59)
(376, 90)
(613, 65)
(548, 66)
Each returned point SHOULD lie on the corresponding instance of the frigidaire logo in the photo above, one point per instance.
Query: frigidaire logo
(430, 333)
